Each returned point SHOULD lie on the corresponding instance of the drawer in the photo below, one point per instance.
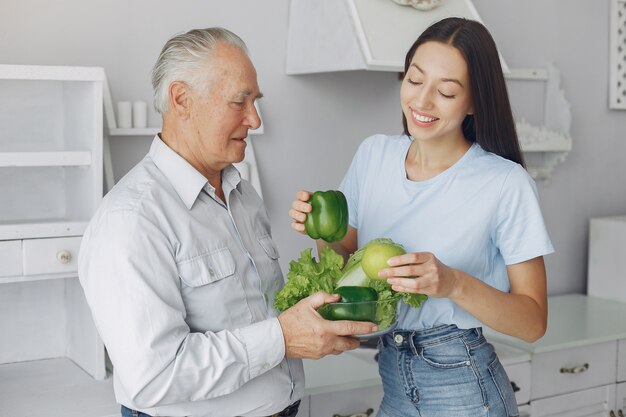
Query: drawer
(590, 402)
(50, 256)
(621, 361)
(573, 369)
(519, 374)
(524, 411)
(346, 403)
(10, 258)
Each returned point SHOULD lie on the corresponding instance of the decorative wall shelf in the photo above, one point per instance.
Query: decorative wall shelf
(551, 141)
(617, 86)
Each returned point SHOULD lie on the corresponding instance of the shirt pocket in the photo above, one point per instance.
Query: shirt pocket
(269, 267)
(212, 292)
(268, 246)
(207, 268)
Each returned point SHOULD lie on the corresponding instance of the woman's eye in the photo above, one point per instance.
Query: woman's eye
(446, 95)
(413, 82)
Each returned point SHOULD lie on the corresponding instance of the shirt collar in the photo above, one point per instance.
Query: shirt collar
(185, 179)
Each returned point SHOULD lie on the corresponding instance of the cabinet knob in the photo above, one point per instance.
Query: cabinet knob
(515, 386)
(64, 256)
(575, 369)
(367, 413)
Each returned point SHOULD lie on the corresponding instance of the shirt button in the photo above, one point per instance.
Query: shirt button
(211, 272)
(398, 339)
(265, 366)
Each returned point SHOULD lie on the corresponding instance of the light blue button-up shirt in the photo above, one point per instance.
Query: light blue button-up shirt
(181, 287)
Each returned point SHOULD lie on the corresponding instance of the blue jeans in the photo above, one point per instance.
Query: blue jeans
(127, 412)
(443, 371)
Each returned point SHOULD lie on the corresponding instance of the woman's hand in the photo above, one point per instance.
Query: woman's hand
(299, 209)
(422, 273)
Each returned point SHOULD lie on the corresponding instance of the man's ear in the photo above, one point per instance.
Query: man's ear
(179, 99)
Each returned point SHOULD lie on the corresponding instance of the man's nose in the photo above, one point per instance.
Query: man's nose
(253, 120)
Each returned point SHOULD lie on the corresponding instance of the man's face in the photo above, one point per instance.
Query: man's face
(224, 111)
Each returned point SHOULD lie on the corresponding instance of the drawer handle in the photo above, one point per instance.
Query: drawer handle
(64, 256)
(515, 386)
(367, 413)
(575, 370)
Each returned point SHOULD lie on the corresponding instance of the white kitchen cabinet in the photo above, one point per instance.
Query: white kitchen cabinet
(568, 370)
(587, 403)
(621, 361)
(579, 367)
(620, 400)
(361, 402)
(51, 130)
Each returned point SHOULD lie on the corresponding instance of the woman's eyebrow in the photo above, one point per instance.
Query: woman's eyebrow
(447, 80)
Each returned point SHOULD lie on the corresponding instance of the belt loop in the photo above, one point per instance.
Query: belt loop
(135, 413)
(412, 342)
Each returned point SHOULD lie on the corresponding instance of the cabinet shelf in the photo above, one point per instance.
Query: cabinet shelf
(151, 131)
(136, 131)
(52, 360)
(45, 159)
(39, 228)
(59, 385)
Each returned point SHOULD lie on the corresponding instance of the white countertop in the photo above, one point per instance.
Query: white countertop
(574, 320)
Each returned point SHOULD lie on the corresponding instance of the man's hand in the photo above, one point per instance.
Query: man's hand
(308, 335)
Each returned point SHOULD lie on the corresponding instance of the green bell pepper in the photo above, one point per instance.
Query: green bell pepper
(351, 294)
(328, 219)
(357, 304)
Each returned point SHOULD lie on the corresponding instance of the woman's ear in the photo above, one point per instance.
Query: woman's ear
(180, 99)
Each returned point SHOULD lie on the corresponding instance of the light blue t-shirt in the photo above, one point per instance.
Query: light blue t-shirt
(477, 216)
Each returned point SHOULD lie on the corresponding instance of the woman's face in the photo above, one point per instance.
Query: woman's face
(435, 94)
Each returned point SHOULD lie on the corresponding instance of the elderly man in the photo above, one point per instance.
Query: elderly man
(178, 264)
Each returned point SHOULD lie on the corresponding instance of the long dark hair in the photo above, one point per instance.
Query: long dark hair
(492, 125)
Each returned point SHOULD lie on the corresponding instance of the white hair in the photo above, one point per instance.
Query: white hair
(184, 58)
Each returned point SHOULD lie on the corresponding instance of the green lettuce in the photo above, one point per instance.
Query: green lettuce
(307, 276)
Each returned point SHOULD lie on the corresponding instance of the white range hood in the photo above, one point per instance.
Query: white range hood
(342, 35)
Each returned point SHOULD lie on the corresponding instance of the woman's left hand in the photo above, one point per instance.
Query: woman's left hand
(420, 272)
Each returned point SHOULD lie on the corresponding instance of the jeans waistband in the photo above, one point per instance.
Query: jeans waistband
(405, 339)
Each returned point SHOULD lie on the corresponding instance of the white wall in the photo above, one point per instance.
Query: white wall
(314, 123)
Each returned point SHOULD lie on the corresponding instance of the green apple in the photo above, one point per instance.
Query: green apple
(376, 255)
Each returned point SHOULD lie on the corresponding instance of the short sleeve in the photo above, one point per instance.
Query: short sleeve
(520, 232)
(350, 184)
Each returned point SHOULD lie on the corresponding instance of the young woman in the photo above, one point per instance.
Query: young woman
(453, 190)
